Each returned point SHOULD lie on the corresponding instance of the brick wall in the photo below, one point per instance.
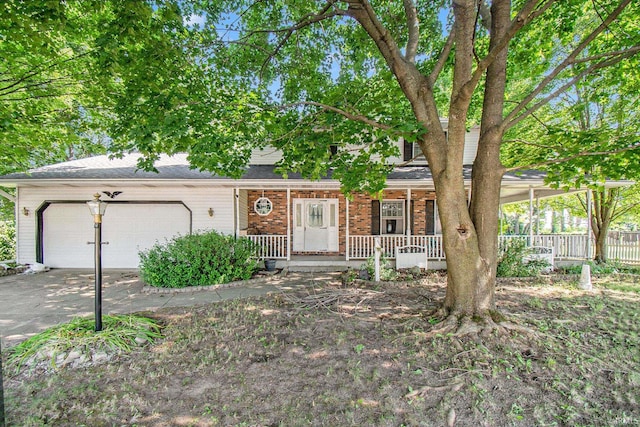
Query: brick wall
(359, 211)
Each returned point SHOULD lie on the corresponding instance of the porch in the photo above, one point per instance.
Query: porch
(566, 247)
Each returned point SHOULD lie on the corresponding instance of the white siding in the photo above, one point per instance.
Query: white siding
(265, 156)
(471, 145)
(198, 200)
(470, 149)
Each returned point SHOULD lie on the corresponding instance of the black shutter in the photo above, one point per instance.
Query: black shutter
(408, 150)
(412, 221)
(430, 220)
(375, 217)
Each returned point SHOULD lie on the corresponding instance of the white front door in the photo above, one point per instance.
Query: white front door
(315, 225)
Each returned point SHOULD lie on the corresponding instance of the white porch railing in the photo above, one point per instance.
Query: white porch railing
(362, 247)
(565, 246)
(272, 246)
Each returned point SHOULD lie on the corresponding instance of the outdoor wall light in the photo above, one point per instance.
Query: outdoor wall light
(97, 208)
(210, 212)
(25, 211)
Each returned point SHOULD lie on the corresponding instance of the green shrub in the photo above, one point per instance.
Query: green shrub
(7, 241)
(609, 267)
(120, 333)
(513, 260)
(386, 272)
(199, 259)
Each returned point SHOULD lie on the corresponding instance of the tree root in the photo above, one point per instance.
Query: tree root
(484, 326)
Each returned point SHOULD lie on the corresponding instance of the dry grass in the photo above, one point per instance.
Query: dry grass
(338, 356)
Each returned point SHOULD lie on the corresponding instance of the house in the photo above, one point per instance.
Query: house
(296, 221)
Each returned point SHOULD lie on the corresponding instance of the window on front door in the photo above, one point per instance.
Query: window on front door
(392, 218)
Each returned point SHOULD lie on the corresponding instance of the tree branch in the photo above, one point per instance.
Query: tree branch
(442, 59)
(575, 156)
(525, 142)
(303, 22)
(509, 120)
(526, 15)
(413, 27)
(41, 68)
(356, 117)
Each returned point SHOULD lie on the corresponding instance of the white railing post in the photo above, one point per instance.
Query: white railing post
(378, 249)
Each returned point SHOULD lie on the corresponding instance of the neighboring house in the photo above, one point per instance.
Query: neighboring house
(294, 220)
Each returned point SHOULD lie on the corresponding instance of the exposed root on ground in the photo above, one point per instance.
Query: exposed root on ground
(485, 325)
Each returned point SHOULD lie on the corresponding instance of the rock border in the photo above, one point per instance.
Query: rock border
(148, 289)
(13, 270)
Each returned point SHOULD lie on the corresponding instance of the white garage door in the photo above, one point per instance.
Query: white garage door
(129, 228)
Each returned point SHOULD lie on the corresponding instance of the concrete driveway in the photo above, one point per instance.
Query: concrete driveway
(34, 302)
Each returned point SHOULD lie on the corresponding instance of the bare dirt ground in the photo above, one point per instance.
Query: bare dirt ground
(362, 355)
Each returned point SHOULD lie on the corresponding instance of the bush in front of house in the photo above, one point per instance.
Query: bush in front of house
(513, 260)
(387, 273)
(199, 259)
(7, 241)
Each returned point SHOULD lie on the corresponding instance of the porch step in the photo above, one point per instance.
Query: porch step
(309, 265)
(312, 269)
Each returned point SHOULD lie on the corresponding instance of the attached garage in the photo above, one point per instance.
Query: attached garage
(66, 232)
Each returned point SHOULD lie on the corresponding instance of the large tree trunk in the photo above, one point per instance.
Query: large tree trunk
(470, 228)
(603, 210)
(601, 248)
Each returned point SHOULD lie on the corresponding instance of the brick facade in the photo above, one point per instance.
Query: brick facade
(359, 211)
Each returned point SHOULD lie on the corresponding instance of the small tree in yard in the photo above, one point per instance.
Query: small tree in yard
(359, 74)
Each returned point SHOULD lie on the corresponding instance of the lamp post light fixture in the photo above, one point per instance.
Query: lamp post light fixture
(97, 208)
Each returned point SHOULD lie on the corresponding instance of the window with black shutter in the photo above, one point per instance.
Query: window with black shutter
(430, 220)
(375, 217)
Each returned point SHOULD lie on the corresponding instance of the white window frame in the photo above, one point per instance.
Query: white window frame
(400, 219)
(263, 206)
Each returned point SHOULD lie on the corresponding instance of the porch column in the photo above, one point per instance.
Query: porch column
(236, 194)
(346, 228)
(531, 195)
(288, 224)
(408, 216)
(589, 216)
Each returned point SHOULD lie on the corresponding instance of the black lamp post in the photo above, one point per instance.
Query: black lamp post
(1, 390)
(97, 208)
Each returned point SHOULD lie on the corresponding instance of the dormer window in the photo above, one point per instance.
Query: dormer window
(334, 150)
(412, 150)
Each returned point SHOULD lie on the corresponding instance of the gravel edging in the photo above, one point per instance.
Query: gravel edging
(249, 282)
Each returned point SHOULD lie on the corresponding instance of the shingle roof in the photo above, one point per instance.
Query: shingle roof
(177, 167)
